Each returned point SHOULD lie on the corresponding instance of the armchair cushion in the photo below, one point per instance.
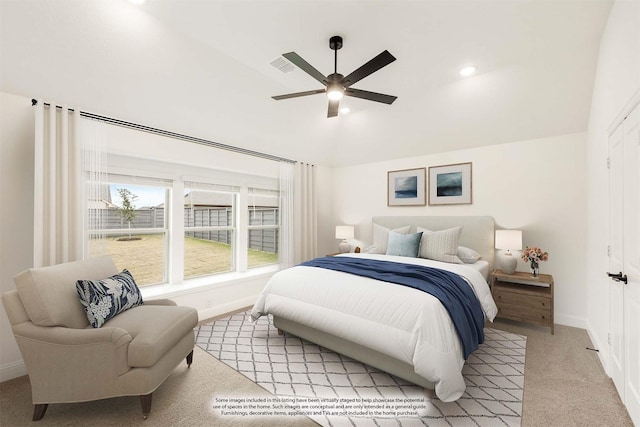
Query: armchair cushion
(106, 298)
(154, 329)
(49, 295)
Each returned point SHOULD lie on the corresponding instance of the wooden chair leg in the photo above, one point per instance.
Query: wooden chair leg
(190, 358)
(145, 403)
(39, 409)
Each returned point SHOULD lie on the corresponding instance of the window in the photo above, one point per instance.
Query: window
(209, 230)
(167, 227)
(262, 248)
(128, 221)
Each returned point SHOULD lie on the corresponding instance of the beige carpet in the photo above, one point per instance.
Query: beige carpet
(564, 386)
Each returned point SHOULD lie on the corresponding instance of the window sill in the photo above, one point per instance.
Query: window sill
(200, 284)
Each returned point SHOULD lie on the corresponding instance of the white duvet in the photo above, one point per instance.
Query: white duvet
(401, 322)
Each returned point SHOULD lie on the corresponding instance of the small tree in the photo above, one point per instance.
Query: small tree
(128, 209)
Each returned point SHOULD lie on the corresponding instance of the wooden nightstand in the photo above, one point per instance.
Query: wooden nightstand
(520, 297)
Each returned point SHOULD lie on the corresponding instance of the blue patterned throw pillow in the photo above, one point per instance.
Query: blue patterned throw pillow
(106, 298)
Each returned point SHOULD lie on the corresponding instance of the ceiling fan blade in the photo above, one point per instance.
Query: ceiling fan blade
(333, 108)
(297, 94)
(371, 96)
(382, 60)
(306, 67)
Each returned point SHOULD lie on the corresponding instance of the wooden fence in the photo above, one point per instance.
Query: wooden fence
(201, 216)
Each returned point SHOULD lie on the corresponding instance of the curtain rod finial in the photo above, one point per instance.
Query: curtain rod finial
(34, 102)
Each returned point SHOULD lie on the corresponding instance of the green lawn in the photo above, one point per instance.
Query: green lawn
(144, 257)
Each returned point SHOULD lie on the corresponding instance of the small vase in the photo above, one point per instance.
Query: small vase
(535, 270)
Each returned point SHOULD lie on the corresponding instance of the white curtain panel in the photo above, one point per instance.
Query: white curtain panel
(286, 214)
(93, 143)
(59, 196)
(305, 213)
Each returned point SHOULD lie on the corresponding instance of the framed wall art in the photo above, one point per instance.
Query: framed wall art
(450, 184)
(407, 187)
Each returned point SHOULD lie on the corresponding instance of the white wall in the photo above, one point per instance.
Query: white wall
(616, 84)
(16, 212)
(536, 186)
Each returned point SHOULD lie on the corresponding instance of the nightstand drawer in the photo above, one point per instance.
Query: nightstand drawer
(520, 300)
(525, 314)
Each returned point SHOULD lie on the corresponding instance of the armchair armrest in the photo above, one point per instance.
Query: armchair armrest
(57, 335)
(72, 365)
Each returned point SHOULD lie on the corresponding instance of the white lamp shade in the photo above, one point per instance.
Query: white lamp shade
(344, 232)
(509, 239)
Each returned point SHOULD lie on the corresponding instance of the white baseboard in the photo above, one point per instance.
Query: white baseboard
(12, 370)
(569, 320)
(218, 310)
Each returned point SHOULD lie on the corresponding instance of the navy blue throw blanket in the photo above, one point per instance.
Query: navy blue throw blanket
(452, 290)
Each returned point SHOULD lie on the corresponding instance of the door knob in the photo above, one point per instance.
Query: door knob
(618, 277)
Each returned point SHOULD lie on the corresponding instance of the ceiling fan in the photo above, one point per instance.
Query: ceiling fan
(338, 85)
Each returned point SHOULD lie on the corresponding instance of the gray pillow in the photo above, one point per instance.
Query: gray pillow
(468, 255)
(441, 245)
(404, 244)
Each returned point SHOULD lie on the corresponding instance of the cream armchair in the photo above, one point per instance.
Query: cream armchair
(69, 361)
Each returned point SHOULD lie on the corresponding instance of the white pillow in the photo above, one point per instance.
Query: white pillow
(440, 245)
(468, 255)
(381, 237)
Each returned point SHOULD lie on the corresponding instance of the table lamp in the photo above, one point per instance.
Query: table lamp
(508, 240)
(344, 232)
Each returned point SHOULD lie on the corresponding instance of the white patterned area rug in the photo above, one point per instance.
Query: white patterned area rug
(334, 390)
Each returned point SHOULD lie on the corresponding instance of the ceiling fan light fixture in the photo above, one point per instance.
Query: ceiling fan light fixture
(335, 92)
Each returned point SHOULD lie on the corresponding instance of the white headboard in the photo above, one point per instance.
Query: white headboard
(477, 231)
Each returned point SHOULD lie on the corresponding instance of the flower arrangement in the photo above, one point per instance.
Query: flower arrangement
(534, 255)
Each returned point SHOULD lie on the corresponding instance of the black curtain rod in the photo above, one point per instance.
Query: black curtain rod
(175, 135)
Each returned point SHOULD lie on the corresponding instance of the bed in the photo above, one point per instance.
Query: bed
(397, 329)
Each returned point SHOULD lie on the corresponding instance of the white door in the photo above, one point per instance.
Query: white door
(624, 260)
(631, 266)
(616, 258)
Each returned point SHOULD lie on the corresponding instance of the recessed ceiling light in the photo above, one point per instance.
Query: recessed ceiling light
(468, 71)
(345, 110)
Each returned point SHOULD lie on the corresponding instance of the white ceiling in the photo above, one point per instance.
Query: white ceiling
(202, 68)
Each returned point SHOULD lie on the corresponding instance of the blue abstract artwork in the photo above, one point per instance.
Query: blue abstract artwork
(406, 187)
(449, 184)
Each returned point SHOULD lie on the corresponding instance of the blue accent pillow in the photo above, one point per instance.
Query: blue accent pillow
(404, 244)
(106, 298)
